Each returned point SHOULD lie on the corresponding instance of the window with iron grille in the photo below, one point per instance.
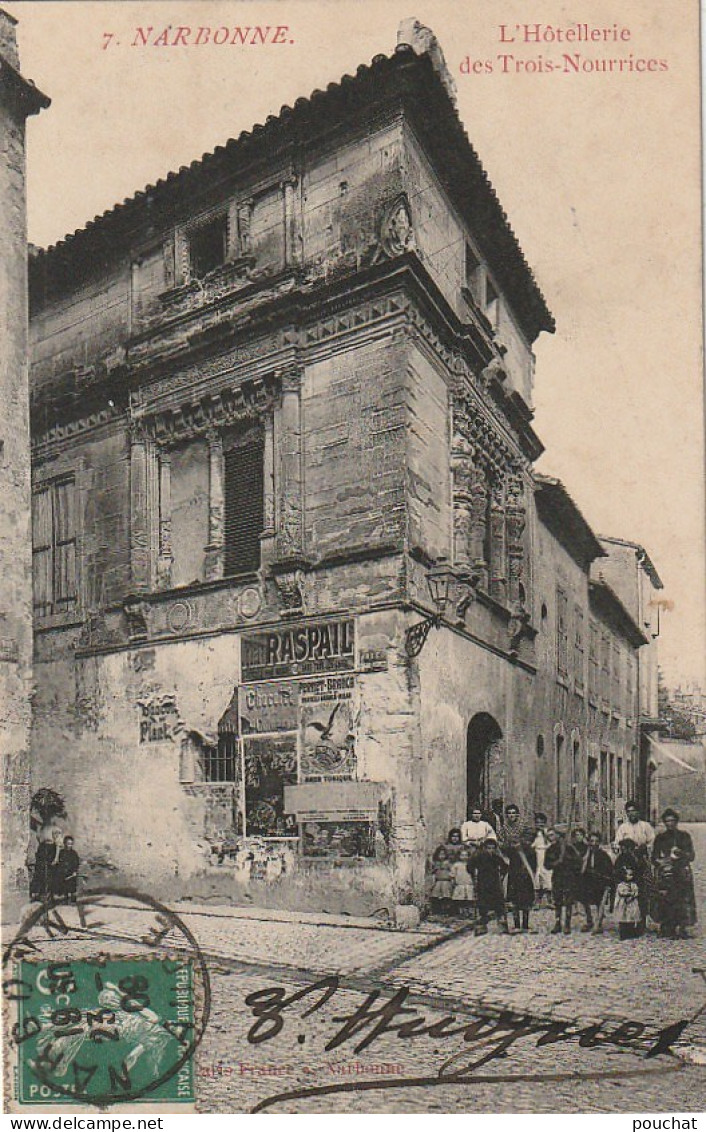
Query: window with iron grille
(244, 504)
(220, 764)
(54, 546)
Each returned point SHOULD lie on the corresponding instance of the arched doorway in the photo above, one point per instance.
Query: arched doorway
(484, 763)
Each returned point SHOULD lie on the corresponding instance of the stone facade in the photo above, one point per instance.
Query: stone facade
(268, 395)
(18, 100)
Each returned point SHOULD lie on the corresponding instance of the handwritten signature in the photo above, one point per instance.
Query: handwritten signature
(484, 1038)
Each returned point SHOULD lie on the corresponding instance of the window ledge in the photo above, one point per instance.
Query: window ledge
(58, 621)
(252, 577)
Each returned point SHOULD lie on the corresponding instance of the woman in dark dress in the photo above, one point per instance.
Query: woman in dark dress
(44, 875)
(672, 855)
(515, 841)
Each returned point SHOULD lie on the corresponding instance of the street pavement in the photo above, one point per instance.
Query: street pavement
(437, 971)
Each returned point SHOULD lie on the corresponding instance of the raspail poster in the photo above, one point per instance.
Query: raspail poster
(353, 326)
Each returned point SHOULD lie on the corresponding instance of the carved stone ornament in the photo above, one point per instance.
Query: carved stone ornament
(518, 627)
(290, 585)
(396, 231)
(93, 631)
(412, 33)
(249, 602)
(137, 615)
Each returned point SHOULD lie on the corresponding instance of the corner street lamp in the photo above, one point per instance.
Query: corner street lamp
(439, 579)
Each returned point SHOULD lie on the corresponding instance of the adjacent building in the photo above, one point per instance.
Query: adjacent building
(19, 99)
(300, 596)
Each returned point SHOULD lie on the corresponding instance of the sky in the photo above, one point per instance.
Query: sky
(598, 170)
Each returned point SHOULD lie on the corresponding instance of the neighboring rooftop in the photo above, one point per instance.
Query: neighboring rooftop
(411, 74)
(642, 556)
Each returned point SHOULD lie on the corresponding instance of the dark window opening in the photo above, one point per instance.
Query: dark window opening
(244, 507)
(473, 273)
(540, 746)
(220, 763)
(208, 246)
(492, 303)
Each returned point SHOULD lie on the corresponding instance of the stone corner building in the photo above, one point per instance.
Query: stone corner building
(271, 392)
(19, 99)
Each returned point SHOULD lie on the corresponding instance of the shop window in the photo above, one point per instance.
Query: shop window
(244, 505)
(208, 245)
(54, 547)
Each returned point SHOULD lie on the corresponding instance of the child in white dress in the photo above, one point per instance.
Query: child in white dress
(463, 894)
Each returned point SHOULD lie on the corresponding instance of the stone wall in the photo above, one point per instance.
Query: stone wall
(353, 449)
(117, 735)
(16, 102)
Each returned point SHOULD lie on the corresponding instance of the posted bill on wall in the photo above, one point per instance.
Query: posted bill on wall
(352, 626)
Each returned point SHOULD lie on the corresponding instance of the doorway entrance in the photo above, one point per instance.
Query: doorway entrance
(484, 764)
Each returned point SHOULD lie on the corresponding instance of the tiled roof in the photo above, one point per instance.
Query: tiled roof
(404, 74)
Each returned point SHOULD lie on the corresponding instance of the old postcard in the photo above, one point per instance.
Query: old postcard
(352, 625)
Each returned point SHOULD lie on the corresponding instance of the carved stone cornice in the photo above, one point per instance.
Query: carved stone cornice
(200, 417)
(491, 449)
(56, 434)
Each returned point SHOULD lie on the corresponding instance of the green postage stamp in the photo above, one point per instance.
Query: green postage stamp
(104, 1031)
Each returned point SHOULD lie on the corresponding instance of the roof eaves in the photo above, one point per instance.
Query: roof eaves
(554, 487)
(224, 154)
(643, 558)
(31, 97)
(629, 626)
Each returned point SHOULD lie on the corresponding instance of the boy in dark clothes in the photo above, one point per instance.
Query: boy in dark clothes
(67, 872)
(564, 863)
(488, 867)
(596, 880)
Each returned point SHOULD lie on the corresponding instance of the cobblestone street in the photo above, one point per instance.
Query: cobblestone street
(448, 972)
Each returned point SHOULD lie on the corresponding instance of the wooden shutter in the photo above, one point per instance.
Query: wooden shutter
(244, 507)
(42, 565)
(64, 545)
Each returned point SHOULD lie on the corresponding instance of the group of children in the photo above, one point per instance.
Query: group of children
(484, 872)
